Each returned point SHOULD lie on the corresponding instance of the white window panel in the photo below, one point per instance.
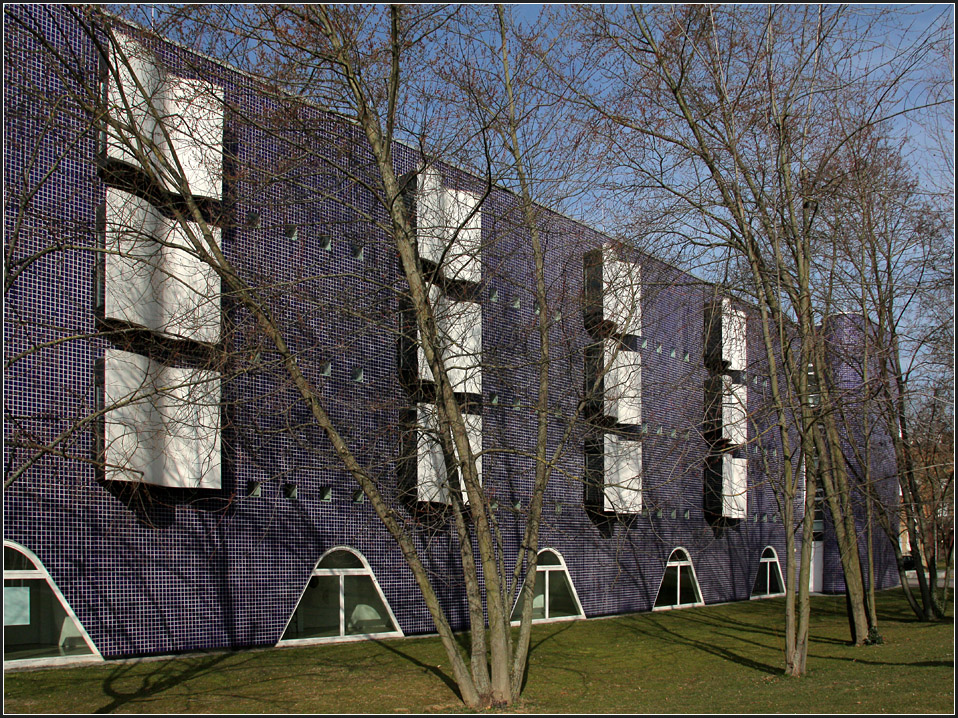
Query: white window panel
(429, 216)
(462, 338)
(734, 341)
(152, 277)
(622, 384)
(460, 334)
(448, 231)
(190, 295)
(432, 475)
(172, 127)
(734, 412)
(133, 259)
(190, 410)
(622, 295)
(193, 118)
(734, 487)
(134, 98)
(133, 432)
(622, 467)
(162, 424)
(463, 235)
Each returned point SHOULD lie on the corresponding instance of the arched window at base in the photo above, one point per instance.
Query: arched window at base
(554, 598)
(679, 586)
(38, 625)
(342, 600)
(768, 581)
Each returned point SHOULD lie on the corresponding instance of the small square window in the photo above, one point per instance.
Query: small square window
(326, 494)
(517, 303)
(494, 400)
(325, 242)
(325, 368)
(254, 220)
(292, 232)
(291, 491)
(254, 489)
(358, 375)
(359, 497)
(494, 295)
(357, 251)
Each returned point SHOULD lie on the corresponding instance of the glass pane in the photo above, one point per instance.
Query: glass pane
(761, 580)
(669, 591)
(548, 558)
(561, 599)
(768, 553)
(678, 555)
(341, 559)
(775, 582)
(13, 560)
(35, 624)
(363, 607)
(539, 598)
(317, 615)
(689, 591)
(517, 611)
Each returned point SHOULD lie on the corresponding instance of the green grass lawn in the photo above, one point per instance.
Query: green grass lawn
(717, 659)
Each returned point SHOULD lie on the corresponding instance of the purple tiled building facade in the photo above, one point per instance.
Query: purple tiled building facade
(147, 567)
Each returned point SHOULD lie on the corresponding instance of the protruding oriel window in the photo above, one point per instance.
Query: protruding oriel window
(449, 228)
(341, 600)
(680, 587)
(768, 581)
(554, 597)
(37, 621)
(171, 127)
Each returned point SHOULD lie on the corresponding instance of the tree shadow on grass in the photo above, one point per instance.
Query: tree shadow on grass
(659, 631)
(168, 673)
(435, 670)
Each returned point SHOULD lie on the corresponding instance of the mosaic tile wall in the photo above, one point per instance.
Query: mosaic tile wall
(153, 570)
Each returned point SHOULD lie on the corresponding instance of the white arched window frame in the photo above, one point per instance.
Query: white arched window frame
(352, 625)
(71, 630)
(554, 596)
(769, 581)
(679, 586)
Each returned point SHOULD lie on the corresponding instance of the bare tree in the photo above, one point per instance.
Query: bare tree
(160, 238)
(890, 238)
(732, 119)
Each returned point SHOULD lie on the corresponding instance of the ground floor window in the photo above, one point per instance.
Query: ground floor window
(769, 581)
(37, 623)
(554, 596)
(341, 599)
(679, 586)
